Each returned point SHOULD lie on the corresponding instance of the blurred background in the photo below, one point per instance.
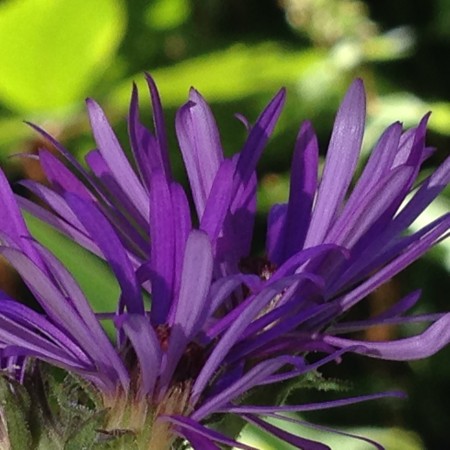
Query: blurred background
(54, 53)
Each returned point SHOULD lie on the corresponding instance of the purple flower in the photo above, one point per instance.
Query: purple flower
(221, 323)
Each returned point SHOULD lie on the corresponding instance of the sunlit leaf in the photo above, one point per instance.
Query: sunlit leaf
(53, 50)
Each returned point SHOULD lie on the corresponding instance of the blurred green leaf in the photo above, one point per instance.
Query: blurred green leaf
(226, 75)
(167, 14)
(53, 50)
(440, 117)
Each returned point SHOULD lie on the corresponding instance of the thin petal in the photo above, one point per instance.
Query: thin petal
(200, 146)
(195, 427)
(115, 158)
(60, 176)
(340, 163)
(114, 196)
(147, 347)
(297, 441)
(249, 309)
(160, 128)
(302, 190)
(378, 165)
(250, 409)
(356, 221)
(105, 237)
(182, 227)
(252, 378)
(276, 232)
(259, 135)
(433, 339)
(191, 308)
(416, 249)
(218, 201)
(12, 223)
(195, 283)
(105, 354)
(162, 255)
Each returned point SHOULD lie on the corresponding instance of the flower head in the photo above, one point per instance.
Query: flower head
(221, 323)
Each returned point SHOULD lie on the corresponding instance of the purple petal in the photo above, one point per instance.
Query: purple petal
(186, 423)
(354, 222)
(190, 310)
(195, 283)
(115, 196)
(252, 378)
(327, 429)
(421, 346)
(162, 255)
(276, 232)
(298, 442)
(60, 176)
(224, 287)
(259, 135)
(143, 143)
(400, 307)
(412, 153)
(34, 331)
(150, 153)
(61, 149)
(55, 201)
(182, 227)
(160, 128)
(105, 237)
(378, 165)
(250, 409)
(200, 146)
(427, 192)
(340, 163)
(248, 310)
(218, 201)
(104, 354)
(282, 320)
(115, 158)
(302, 190)
(50, 298)
(58, 223)
(12, 223)
(147, 347)
(242, 218)
(55, 304)
(416, 249)
(199, 442)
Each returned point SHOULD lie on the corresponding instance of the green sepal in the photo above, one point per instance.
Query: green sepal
(89, 435)
(14, 413)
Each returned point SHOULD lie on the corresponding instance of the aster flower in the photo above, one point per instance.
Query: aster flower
(221, 323)
(366, 226)
(160, 381)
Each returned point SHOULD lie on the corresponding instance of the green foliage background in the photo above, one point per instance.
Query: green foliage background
(54, 53)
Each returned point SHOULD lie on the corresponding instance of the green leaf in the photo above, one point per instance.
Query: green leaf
(167, 14)
(53, 50)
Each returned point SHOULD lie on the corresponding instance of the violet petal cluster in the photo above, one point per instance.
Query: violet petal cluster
(222, 322)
